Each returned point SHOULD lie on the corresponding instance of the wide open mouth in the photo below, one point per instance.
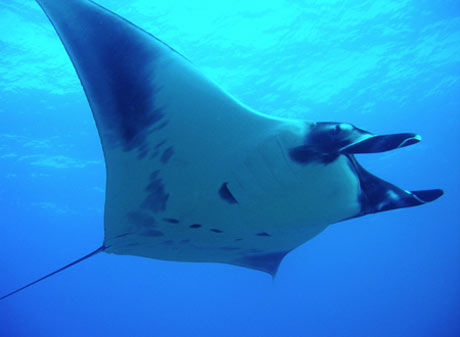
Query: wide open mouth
(378, 195)
(325, 142)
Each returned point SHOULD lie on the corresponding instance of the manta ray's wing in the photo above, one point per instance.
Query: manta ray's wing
(161, 123)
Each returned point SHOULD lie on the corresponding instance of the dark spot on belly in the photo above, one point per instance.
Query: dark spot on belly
(160, 144)
(226, 195)
(142, 152)
(195, 225)
(171, 220)
(167, 154)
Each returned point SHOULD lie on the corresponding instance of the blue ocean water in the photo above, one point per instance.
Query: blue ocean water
(384, 66)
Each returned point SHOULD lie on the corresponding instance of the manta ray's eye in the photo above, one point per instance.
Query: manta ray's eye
(336, 130)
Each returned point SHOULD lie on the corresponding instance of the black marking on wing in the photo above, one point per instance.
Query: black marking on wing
(226, 195)
(118, 73)
(216, 230)
(157, 148)
(113, 59)
(160, 144)
(155, 153)
(142, 152)
(157, 196)
(132, 113)
(195, 226)
(144, 224)
(263, 234)
(167, 154)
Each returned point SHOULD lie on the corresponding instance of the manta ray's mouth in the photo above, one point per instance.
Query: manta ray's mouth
(325, 142)
(378, 195)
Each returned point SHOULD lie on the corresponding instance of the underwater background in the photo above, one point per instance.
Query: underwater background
(385, 66)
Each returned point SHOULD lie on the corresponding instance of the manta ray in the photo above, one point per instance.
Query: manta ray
(195, 175)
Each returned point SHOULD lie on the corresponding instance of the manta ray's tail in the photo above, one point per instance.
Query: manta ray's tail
(100, 249)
